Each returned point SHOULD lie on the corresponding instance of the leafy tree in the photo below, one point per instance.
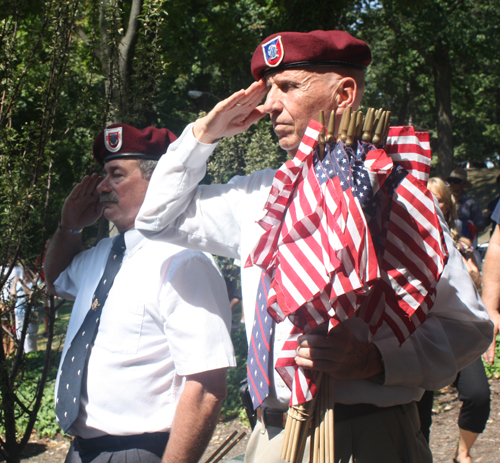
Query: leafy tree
(32, 40)
(429, 55)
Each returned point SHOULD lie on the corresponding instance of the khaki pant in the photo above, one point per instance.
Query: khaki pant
(389, 436)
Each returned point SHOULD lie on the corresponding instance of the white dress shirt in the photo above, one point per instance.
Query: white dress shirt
(167, 316)
(221, 219)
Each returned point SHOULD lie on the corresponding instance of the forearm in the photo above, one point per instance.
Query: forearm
(63, 247)
(491, 277)
(196, 417)
(174, 183)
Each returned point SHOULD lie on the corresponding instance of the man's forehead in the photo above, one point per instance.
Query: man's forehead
(299, 75)
(114, 164)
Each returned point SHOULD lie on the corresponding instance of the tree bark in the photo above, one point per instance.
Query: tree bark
(116, 61)
(442, 95)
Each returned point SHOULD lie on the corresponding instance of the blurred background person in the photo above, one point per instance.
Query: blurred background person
(468, 207)
(24, 292)
(471, 382)
(7, 304)
(491, 207)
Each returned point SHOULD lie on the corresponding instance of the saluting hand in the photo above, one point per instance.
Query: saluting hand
(82, 207)
(232, 115)
(340, 354)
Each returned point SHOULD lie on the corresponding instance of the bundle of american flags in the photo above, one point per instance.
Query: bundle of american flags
(354, 234)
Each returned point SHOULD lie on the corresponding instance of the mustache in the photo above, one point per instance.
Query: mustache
(108, 198)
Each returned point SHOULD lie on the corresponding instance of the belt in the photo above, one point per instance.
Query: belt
(153, 442)
(342, 412)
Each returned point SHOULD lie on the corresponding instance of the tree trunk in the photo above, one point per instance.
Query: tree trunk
(116, 61)
(442, 94)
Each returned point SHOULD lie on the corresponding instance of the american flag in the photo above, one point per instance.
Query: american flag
(354, 234)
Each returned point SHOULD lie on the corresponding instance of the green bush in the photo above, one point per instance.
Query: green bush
(493, 371)
(233, 406)
(46, 424)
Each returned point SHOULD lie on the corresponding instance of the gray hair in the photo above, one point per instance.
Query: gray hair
(147, 167)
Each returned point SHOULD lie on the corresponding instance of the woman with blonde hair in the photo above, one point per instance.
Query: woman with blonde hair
(471, 382)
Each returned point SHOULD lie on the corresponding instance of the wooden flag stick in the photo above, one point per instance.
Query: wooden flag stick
(379, 129)
(368, 126)
(219, 458)
(344, 123)
(284, 446)
(331, 418)
(218, 449)
(291, 439)
(359, 125)
(327, 423)
(315, 444)
(305, 428)
(322, 135)
(330, 134)
(351, 130)
(383, 142)
(321, 412)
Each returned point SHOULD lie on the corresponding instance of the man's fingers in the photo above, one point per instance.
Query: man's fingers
(316, 353)
(320, 338)
(86, 187)
(91, 184)
(316, 364)
(489, 355)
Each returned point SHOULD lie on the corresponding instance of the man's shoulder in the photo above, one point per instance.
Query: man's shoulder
(256, 181)
(165, 251)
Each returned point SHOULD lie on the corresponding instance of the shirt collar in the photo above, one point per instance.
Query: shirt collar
(134, 240)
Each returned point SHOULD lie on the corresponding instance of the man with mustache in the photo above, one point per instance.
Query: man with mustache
(377, 383)
(143, 371)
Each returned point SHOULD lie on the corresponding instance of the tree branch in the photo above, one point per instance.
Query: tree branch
(412, 42)
(133, 24)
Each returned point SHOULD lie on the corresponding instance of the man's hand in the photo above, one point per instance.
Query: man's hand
(340, 354)
(232, 115)
(82, 207)
(489, 355)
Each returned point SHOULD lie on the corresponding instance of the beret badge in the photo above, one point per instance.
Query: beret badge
(273, 52)
(113, 139)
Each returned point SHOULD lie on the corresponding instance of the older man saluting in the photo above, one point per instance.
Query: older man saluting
(143, 370)
(377, 383)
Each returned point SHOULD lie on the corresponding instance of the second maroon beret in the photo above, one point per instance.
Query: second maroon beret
(124, 141)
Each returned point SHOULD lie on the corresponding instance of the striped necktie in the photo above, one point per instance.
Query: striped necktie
(259, 361)
(76, 359)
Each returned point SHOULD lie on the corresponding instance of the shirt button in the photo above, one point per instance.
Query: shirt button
(282, 383)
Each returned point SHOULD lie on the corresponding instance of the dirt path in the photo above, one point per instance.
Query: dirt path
(443, 435)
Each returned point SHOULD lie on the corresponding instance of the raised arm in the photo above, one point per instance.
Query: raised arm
(81, 209)
(179, 210)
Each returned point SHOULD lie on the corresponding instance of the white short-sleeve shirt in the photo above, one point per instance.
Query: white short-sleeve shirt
(167, 316)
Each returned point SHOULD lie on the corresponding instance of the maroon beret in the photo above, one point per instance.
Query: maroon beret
(124, 141)
(288, 50)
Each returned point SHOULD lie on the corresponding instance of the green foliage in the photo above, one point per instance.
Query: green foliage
(26, 388)
(412, 45)
(232, 405)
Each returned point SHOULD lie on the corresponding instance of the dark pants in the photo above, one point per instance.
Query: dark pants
(473, 392)
(143, 448)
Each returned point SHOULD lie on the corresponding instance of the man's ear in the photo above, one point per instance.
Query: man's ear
(346, 92)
